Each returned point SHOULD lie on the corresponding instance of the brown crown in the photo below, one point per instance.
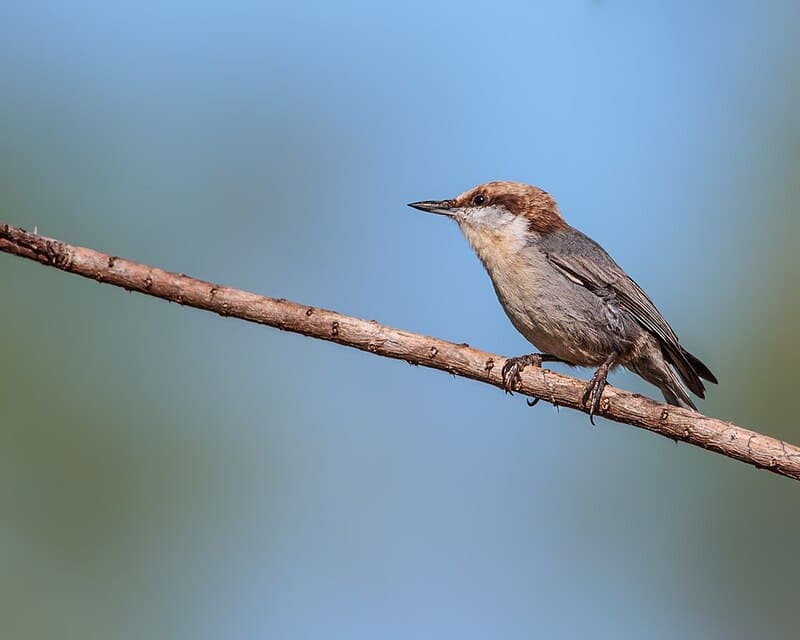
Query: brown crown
(520, 199)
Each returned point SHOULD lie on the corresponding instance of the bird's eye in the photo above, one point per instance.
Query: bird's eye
(479, 200)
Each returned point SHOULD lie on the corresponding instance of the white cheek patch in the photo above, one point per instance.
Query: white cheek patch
(517, 229)
(488, 225)
(494, 217)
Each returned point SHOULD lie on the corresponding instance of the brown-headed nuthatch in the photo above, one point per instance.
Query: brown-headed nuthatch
(565, 294)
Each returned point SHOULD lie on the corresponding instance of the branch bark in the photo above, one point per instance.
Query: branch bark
(688, 426)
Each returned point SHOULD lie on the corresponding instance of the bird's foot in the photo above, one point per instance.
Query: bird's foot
(593, 392)
(514, 366)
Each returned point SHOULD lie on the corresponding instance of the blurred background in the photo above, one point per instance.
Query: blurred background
(167, 473)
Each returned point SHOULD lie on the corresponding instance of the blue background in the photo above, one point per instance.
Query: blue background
(168, 473)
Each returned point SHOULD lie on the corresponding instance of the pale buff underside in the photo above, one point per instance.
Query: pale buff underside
(528, 286)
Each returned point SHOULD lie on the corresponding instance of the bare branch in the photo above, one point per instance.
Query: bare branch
(459, 359)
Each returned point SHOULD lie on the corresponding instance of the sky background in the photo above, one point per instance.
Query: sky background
(167, 473)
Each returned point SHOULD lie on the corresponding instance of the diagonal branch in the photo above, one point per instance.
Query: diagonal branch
(459, 359)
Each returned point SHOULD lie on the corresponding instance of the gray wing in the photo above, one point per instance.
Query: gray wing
(586, 263)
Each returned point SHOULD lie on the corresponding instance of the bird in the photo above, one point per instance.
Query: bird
(566, 295)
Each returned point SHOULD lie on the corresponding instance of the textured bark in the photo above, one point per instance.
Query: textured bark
(459, 359)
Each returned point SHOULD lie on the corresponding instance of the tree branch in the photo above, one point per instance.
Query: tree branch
(458, 359)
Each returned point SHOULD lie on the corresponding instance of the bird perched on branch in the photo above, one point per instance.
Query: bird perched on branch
(567, 296)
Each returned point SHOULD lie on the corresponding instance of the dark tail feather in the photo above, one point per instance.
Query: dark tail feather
(690, 369)
(657, 370)
(702, 370)
(675, 393)
(678, 401)
(677, 359)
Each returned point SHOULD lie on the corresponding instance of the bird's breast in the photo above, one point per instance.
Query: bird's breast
(556, 315)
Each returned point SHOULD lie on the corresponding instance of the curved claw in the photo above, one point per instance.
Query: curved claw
(514, 366)
(594, 390)
(510, 374)
(532, 402)
(587, 392)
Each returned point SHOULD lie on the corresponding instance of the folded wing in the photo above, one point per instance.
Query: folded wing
(585, 262)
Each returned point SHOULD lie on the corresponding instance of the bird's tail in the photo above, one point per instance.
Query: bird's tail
(691, 370)
(700, 369)
(675, 393)
(674, 374)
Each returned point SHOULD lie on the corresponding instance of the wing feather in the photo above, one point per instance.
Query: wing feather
(585, 262)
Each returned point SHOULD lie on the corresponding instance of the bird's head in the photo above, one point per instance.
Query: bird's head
(507, 209)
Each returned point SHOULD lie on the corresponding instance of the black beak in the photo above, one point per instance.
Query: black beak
(442, 207)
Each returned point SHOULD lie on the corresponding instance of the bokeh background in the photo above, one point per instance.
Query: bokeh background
(167, 473)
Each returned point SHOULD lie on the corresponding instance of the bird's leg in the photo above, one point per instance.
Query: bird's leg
(514, 366)
(594, 390)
